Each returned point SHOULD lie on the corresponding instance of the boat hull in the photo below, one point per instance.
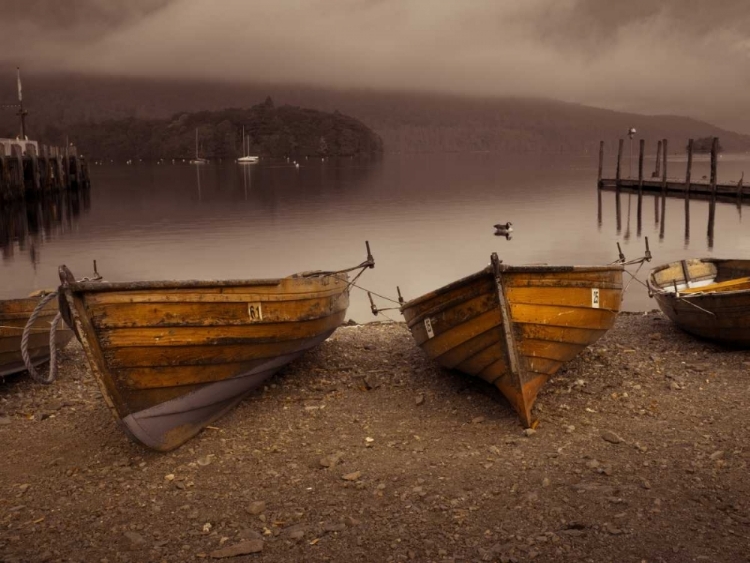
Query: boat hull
(172, 357)
(721, 315)
(14, 314)
(515, 327)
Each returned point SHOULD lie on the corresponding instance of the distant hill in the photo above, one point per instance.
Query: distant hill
(406, 122)
(270, 131)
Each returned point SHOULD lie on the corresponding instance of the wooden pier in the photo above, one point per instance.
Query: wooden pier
(660, 184)
(28, 170)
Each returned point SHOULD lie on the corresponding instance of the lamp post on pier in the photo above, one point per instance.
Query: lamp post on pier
(631, 133)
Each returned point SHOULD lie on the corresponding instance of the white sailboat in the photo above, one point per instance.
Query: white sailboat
(246, 159)
(197, 159)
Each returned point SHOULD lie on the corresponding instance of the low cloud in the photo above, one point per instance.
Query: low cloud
(687, 57)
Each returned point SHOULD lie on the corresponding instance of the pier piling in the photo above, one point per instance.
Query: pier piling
(688, 171)
(641, 149)
(706, 188)
(714, 148)
(664, 165)
(28, 172)
(601, 163)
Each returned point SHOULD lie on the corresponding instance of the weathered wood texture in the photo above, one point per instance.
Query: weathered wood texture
(14, 314)
(516, 329)
(171, 357)
(712, 298)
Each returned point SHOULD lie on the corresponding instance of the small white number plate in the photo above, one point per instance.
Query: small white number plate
(254, 311)
(428, 327)
(595, 298)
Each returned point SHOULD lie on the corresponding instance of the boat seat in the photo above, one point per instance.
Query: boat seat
(729, 285)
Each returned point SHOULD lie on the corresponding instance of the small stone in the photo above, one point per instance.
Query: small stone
(371, 382)
(334, 527)
(169, 477)
(716, 455)
(612, 529)
(256, 507)
(477, 420)
(419, 400)
(295, 532)
(249, 534)
(570, 429)
(243, 548)
(205, 460)
(331, 460)
(134, 537)
(6, 420)
(352, 476)
(611, 437)
(529, 432)
(674, 386)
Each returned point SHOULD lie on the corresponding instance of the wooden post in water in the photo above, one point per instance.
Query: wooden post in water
(739, 190)
(664, 172)
(641, 149)
(688, 172)
(658, 160)
(639, 212)
(619, 159)
(714, 148)
(601, 164)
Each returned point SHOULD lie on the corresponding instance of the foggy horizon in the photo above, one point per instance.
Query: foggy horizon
(678, 58)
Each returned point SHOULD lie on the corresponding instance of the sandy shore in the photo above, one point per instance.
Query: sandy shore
(363, 450)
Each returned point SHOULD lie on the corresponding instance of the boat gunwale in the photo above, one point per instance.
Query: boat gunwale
(544, 269)
(97, 286)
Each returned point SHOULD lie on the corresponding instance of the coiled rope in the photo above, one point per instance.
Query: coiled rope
(36, 376)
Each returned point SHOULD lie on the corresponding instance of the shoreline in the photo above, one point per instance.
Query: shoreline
(363, 446)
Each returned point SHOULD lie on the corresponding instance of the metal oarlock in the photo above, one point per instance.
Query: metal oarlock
(622, 260)
(400, 297)
(619, 250)
(370, 260)
(373, 307)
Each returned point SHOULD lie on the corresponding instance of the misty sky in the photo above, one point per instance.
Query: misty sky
(687, 57)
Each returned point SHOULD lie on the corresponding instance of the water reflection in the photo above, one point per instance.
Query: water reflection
(660, 215)
(26, 225)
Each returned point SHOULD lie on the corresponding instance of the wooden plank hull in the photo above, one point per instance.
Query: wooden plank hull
(14, 314)
(172, 357)
(515, 326)
(713, 303)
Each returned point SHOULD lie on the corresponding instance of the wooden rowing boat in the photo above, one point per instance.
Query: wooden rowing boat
(708, 297)
(171, 357)
(514, 326)
(14, 314)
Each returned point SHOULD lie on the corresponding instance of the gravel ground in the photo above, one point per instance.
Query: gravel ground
(363, 450)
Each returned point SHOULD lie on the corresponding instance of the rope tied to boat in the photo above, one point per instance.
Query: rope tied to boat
(27, 330)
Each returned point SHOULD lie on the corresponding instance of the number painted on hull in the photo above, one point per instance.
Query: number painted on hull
(428, 328)
(254, 311)
(595, 297)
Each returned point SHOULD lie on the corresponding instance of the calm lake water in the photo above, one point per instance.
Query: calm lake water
(428, 219)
